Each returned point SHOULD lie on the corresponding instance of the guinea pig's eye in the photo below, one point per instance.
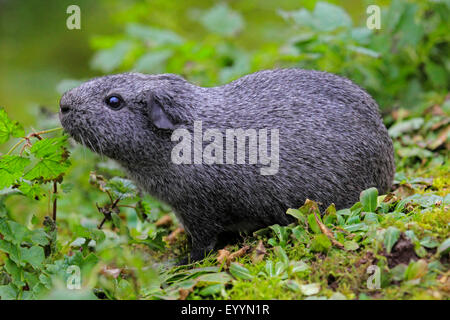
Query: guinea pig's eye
(114, 101)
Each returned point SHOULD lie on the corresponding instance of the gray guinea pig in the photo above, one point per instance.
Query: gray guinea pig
(234, 158)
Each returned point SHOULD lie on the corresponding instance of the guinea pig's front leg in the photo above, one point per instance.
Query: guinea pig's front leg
(202, 243)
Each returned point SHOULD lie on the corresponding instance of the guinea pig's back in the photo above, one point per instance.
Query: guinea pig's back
(332, 141)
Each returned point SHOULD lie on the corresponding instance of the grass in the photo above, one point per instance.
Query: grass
(413, 270)
(393, 246)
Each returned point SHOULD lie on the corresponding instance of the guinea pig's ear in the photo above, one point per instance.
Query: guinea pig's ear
(158, 115)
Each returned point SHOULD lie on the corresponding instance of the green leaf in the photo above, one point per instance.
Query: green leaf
(405, 126)
(211, 290)
(330, 215)
(280, 269)
(362, 35)
(365, 51)
(121, 188)
(325, 17)
(300, 17)
(370, 218)
(300, 234)
(220, 277)
(292, 285)
(153, 35)
(107, 60)
(78, 242)
(45, 280)
(409, 30)
(356, 209)
(411, 152)
(269, 268)
(368, 199)
(11, 169)
(52, 159)
(222, 20)
(5, 229)
(420, 251)
(338, 296)
(281, 233)
(47, 169)
(320, 243)
(240, 272)
(396, 10)
(310, 289)
(186, 284)
(436, 74)
(116, 220)
(355, 218)
(411, 235)
(97, 235)
(39, 237)
(313, 224)
(49, 148)
(143, 210)
(351, 245)
(240, 65)
(329, 17)
(444, 248)
(296, 213)
(429, 242)
(31, 190)
(416, 270)
(15, 272)
(8, 292)
(298, 266)
(356, 227)
(12, 250)
(153, 62)
(391, 236)
(67, 187)
(9, 128)
(398, 272)
(67, 84)
(18, 231)
(34, 255)
(281, 254)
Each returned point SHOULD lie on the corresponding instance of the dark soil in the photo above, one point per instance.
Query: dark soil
(402, 252)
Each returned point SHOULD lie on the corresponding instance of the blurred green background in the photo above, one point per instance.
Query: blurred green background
(37, 51)
(405, 66)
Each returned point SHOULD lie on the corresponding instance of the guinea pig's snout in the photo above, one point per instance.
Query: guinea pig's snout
(64, 108)
(64, 105)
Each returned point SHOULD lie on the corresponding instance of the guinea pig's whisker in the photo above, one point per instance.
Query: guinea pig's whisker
(90, 143)
(100, 151)
(84, 145)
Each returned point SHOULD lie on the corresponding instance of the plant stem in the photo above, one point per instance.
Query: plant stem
(55, 193)
(101, 223)
(31, 135)
(126, 205)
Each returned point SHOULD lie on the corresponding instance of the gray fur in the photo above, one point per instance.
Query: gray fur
(333, 144)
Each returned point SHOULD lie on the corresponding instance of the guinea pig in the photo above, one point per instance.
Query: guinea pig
(234, 158)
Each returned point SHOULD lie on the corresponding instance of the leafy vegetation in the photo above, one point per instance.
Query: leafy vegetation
(69, 217)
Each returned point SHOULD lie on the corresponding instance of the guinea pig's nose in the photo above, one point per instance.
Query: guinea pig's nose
(64, 105)
(64, 108)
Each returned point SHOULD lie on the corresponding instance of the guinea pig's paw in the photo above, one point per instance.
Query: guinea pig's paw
(192, 257)
(165, 265)
(184, 261)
